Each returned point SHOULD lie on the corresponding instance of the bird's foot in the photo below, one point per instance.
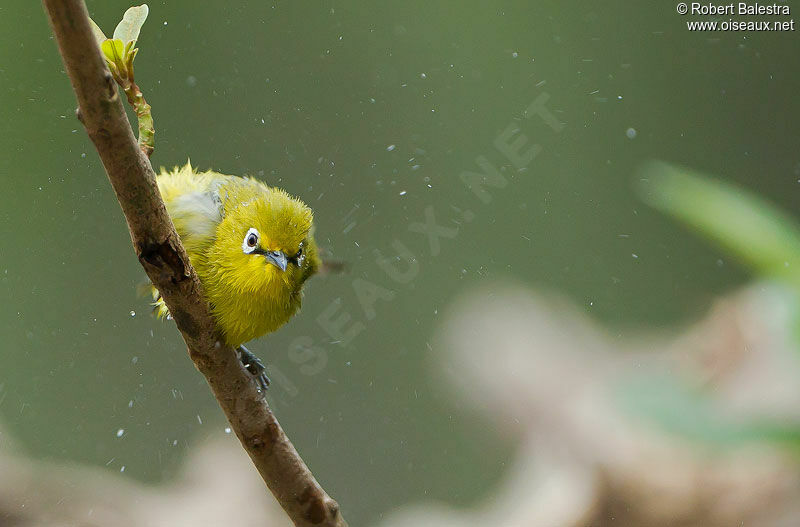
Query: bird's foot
(256, 368)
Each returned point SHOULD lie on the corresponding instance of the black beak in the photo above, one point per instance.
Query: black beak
(277, 258)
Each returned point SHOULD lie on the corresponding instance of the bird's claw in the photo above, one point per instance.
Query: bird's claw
(256, 368)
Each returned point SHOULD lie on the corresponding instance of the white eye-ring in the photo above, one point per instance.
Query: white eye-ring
(250, 241)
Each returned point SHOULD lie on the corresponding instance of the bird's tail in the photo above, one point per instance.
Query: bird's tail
(160, 309)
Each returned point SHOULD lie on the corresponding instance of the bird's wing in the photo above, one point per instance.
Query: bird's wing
(194, 204)
(198, 213)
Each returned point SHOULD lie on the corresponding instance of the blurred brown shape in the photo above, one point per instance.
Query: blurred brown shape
(545, 372)
(218, 487)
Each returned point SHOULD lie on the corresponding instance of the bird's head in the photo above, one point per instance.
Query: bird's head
(265, 244)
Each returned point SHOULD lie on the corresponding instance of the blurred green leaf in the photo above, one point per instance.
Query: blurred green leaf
(130, 25)
(678, 409)
(762, 237)
(760, 234)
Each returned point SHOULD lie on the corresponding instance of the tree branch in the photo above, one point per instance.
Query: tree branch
(165, 261)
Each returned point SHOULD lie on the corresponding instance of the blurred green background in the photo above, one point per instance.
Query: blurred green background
(369, 112)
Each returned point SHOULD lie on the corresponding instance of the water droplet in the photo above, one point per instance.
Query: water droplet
(120, 432)
(631, 133)
(390, 148)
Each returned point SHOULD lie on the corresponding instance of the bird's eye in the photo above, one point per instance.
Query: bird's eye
(250, 241)
(298, 257)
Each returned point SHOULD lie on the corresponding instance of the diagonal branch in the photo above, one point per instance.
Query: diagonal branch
(165, 261)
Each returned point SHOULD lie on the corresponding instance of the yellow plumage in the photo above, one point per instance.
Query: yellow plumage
(251, 245)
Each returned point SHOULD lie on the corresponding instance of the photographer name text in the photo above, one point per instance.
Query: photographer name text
(742, 8)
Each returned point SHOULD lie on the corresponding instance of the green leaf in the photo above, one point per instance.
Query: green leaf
(761, 235)
(113, 49)
(130, 25)
(665, 402)
(98, 33)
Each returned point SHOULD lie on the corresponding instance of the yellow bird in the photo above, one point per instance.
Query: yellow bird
(252, 246)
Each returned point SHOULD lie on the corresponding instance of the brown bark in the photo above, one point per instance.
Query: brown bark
(165, 261)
